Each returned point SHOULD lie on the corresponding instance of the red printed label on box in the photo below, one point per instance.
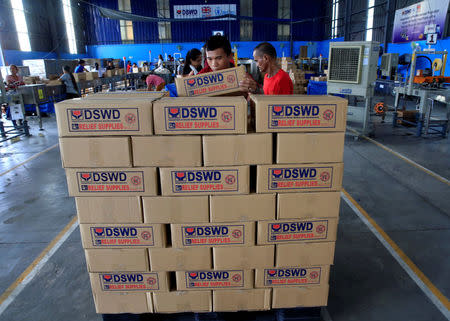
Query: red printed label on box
(297, 231)
(110, 181)
(84, 120)
(204, 181)
(108, 236)
(292, 276)
(213, 235)
(129, 281)
(302, 116)
(201, 118)
(211, 83)
(300, 177)
(214, 279)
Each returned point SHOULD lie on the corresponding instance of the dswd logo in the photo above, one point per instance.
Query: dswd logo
(191, 82)
(276, 173)
(107, 277)
(277, 110)
(99, 231)
(193, 275)
(189, 230)
(272, 272)
(86, 177)
(180, 176)
(276, 227)
(76, 114)
(174, 112)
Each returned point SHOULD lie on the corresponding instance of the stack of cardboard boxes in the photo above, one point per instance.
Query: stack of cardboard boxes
(182, 209)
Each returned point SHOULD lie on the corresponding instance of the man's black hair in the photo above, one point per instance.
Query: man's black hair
(265, 48)
(218, 41)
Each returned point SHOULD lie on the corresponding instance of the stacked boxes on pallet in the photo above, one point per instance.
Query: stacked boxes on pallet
(182, 209)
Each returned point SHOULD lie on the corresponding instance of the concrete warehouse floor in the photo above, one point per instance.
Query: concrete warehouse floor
(366, 283)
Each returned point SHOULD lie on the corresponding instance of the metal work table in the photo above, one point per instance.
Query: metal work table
(426, 95)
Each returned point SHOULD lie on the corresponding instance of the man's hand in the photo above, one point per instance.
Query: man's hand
(248, 85)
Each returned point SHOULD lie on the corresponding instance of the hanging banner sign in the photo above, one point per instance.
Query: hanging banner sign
(413, 22)
(204, 11)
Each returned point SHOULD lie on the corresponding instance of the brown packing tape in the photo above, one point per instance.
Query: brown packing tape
(100, 260)
(182, 301)
(173, 259)
(308, 205)
(123, 302)
(300, 297)
(308, 254)
(242, 300)
(109, 209)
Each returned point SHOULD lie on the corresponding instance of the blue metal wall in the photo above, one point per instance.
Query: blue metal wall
(200, 31)
(104, 31)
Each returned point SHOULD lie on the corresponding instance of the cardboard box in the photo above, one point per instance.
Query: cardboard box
(250, 149)
(213, 234)
(172, 259)
(245, 258)
(109, 209)
(300, 297)
(109, 73)
(182, 301)
(111, 282)
(308, 205)
(292, 178)
(300, 113)
(292, 276)
(242, 208)
(122, 235)
(95, 151)
(205, 180)
(100, 260)
(122, 302)
(112, 181)
(167, 151)
(241, 300)
(297, 231)
(214, 280)
(295, 148)
(181, 209)
(79, 76)
(308, 254)
(212, 83)
(91, 75)
(105, 117)
(201, 115)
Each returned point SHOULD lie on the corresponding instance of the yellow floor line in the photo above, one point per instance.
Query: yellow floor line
(59, 238)
(29, 159)
(417, 272)
(404, 158)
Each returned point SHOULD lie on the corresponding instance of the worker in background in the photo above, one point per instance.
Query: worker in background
(110, 65)
(218, 54)
(193, 62)
(69, 80)
(160, 61)
(128, 66)
(276, 80)
(80, 67)
(14, 80)
(170, 58)
(154, 82)
(134, 65)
